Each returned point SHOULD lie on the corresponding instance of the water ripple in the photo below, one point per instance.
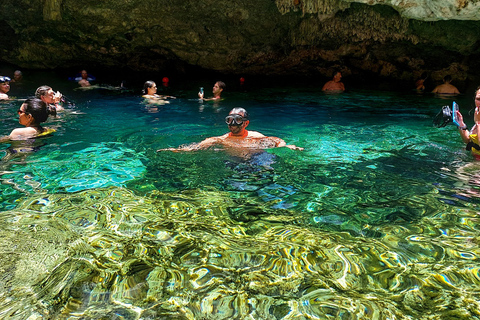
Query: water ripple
(110, 253)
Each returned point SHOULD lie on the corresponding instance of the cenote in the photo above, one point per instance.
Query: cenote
(375, 219)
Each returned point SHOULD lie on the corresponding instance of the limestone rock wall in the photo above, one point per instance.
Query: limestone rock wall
(387, 38)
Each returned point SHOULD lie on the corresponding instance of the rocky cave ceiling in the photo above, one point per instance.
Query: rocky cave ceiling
(391, 39)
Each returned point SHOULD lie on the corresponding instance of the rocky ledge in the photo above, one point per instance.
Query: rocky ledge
(395, 40)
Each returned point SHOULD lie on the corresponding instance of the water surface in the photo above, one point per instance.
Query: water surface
(375, 219)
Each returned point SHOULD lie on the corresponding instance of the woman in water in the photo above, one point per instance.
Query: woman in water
(471, 137)
(150, 93)
(31, 113)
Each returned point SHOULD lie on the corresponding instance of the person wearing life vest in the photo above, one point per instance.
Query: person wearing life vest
(31, 114)
(470, 137)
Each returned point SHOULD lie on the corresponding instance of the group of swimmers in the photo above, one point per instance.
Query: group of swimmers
(237, 121)
(150, 92)
(83, 80)
(34, 111)
(47, 102)
(446, 88)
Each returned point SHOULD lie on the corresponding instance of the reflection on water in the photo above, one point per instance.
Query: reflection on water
(109, 253)
(376, 219)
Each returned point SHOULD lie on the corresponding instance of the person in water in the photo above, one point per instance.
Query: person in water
(84, 81)
(420, 83)
(150, 92)
(238, 137)
(218, 88)
(31, 114)
(446, 87)
(471, 137)
(4, 87)
(50, 97)
(17, 76)
(335, 84)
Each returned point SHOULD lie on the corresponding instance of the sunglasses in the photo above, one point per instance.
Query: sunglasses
(20, 111)
(4, 79)
(235, 119)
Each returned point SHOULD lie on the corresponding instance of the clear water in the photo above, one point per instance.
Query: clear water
(375, 219)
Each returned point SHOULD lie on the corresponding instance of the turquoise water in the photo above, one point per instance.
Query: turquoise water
(375, 219)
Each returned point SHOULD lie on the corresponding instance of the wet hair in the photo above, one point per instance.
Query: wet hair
(146, 85)
(335, 73)
(239, 110)
(221, 85)
(38, 109)
(41, 91)
(447, 78)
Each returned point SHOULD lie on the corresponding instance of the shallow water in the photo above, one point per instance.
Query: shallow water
(375, 219)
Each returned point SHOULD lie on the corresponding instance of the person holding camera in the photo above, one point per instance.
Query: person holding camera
(470, 137)
(51, 98)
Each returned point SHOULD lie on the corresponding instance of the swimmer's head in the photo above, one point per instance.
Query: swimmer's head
(447, 78)
(218, 88)
(337, 75)
(41, 91)
(147, 85)
(4, 84)
(45, 93)
(477, 97)
(17, 74)
(237, 117)
(241, 111)
(221, 85)
(4, 79)
(37, 109)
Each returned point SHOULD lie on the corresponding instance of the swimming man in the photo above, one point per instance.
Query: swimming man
(238, 137)
(446, 87)
(335, 84)
(218, 87)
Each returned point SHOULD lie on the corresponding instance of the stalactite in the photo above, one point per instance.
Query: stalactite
(52, 10)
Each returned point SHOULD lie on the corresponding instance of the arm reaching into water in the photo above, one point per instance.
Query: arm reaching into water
(205, 144)
(256, 141)
(281, 143)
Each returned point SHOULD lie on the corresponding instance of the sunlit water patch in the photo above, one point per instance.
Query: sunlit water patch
(106, 252)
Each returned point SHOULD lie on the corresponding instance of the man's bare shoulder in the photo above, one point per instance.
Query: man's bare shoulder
(255, 134)
(333, 86)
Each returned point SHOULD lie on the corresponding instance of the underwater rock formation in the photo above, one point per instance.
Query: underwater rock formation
(387, 39)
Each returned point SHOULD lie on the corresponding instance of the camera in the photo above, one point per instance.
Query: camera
(444, 117)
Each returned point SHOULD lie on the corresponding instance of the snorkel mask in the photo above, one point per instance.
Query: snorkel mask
(235, 119)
